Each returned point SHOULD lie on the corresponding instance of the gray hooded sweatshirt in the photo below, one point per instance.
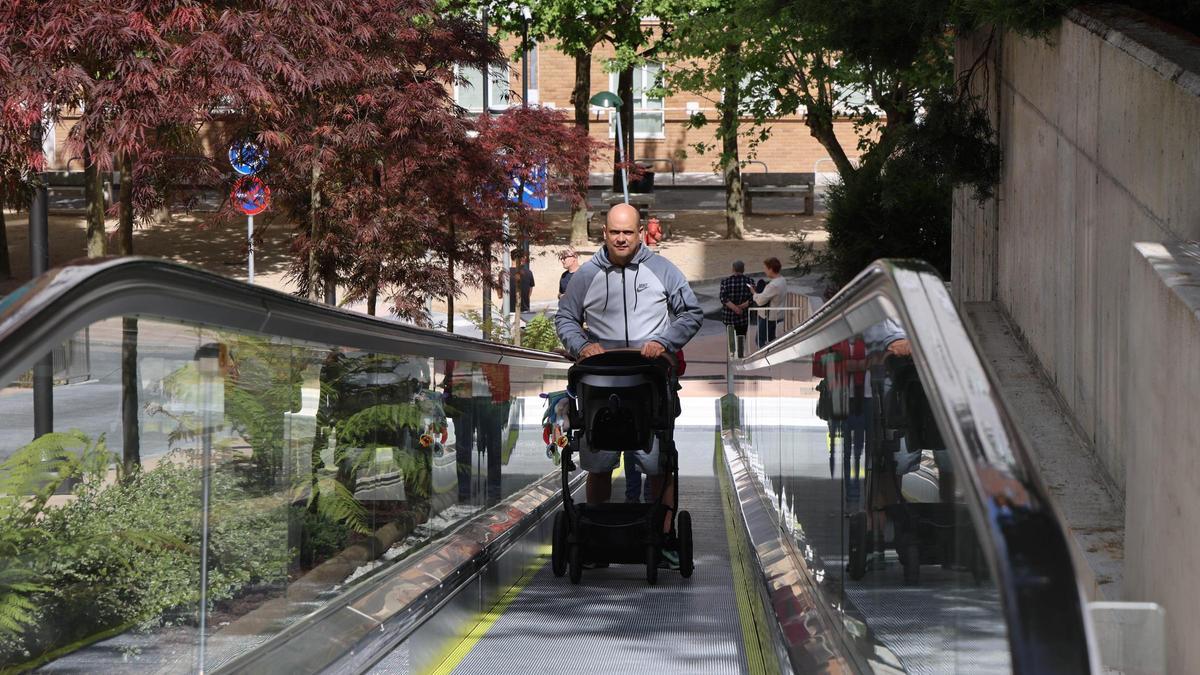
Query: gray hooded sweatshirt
(648, 299)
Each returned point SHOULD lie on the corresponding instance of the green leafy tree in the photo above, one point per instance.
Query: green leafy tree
(883, 67)
(578, 27)
(703, 45)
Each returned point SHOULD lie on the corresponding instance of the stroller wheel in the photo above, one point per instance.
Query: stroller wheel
(857, 553)
(558, 544)
(651, 564)
(683, 526)
(576, 563)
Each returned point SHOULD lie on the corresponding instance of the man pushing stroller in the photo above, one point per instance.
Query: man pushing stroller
(627, 296)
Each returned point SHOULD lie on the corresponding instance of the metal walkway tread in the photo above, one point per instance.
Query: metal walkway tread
(613, 622)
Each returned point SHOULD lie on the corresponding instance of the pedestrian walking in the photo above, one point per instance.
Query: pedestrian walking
(520, 281)
(569, 258)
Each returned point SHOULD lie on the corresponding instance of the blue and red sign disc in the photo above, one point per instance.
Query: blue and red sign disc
(251, 195)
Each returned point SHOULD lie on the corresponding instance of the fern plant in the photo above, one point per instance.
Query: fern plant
(28, 478)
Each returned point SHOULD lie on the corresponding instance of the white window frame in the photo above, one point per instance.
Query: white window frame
(639, 99)
(499, 74)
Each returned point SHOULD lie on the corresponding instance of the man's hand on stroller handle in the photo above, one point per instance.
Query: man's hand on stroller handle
(652, 349)
(591, 349)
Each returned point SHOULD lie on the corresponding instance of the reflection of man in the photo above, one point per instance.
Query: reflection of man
(630, 297)
(478, 401)
(490, 416)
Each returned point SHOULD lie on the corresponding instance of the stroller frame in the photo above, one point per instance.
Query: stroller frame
(620, 398)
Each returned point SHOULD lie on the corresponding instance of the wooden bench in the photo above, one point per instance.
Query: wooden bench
(69, 185)
(779, 185)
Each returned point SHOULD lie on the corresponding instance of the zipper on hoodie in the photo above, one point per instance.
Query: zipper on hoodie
(625, 306)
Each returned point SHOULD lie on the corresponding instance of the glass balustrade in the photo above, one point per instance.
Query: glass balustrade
(203, 489)
(863, 479)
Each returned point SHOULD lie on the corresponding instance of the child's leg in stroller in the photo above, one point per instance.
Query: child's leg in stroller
(599, 487)
(633, 479)
(658, 484)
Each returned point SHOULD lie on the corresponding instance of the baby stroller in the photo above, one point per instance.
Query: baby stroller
(620, 401)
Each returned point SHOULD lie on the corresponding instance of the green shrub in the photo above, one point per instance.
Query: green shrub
(892, 211)
(539, 334)
(126, 554)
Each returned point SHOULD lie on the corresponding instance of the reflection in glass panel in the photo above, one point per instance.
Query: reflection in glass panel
(204, 489)
(867, 487)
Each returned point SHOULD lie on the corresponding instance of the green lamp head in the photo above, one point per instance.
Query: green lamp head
(606, 99)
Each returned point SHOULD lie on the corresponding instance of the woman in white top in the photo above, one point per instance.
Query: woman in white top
(772, 296)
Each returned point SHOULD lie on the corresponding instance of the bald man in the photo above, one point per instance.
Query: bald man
(629, 296)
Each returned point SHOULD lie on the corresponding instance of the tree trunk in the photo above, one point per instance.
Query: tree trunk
(730, 159)
(451, 285)
(822, 130)
(5, 264)
(125, 221)
(329, 283)
(372, 299)
(131, 453)
(487, 294)
(579, 97)
(819, 120)
(625, 92)
(93, 193)
(314, 233)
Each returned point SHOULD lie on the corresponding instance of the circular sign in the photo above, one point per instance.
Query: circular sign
(251, 195)
(247, 157)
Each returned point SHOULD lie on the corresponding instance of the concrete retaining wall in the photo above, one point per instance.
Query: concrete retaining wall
(1162, 440)
(1100, 136)
(1100, 127)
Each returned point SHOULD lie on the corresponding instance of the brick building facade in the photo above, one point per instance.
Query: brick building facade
(663, 137)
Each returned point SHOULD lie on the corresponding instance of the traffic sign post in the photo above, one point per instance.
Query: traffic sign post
(247, 157)
(250, 194)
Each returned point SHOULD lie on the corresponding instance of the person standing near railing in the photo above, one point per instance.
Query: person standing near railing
(735, 305)
(770, 298)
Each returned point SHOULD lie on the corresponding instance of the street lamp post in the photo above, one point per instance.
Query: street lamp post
(607, 99)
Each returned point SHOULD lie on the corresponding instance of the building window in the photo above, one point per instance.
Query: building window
(648, 114)
(469, 93)
(757, 97)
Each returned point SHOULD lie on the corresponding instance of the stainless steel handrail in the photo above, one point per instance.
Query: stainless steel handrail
(1024, 536)
(49, 309)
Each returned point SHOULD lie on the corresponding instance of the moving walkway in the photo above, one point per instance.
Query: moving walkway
(251, 482)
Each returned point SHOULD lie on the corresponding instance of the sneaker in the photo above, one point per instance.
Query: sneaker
(594, 565)
(668, 559)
